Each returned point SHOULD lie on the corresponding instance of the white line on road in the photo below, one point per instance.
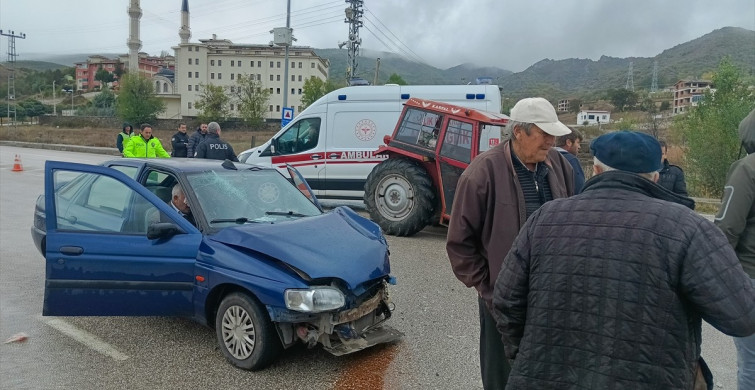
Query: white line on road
(85, 338)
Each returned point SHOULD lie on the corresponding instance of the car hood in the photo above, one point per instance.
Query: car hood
(339, 244)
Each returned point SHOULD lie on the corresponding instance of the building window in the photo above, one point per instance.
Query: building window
(299, 91)
(277, 108)
(220, 62)
(212, 76)
(196, 61)
(299, 77)
(189, 61)
(196, 87)
(189, 74)
(189, 105)
(212, 62)
(271, 91)
(271, 78)
(251, 63)
(231, 106)
(233, 89)
(278, 77)
(259, 77)
(157, 87)
(293, 91)
(238, 63)
(300, 64)
(293, 78)
(312, 65)
(189, 48)
(293, 65)
(271, 65)
(271, 108)
(259, 64)
(196, 75)
(278, 91)
(232, 77)
(232, 63)
(220, 76)
(165, 88)
(189, 87)
(279, 64)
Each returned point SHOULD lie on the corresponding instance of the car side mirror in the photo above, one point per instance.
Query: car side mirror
(163, 230)
(273, 144)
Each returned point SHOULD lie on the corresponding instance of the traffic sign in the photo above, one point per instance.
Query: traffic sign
(286, 116)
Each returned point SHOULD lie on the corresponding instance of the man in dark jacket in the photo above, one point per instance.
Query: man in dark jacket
(736, 218)
(195, 140)
(607, 289)
(568, 145)
(215, 148)
(494, 197)
(671, 176)
(180, 142)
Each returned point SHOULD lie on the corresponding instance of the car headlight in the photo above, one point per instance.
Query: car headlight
(314, 300)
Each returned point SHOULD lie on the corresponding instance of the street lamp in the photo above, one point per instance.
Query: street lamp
(54, 110)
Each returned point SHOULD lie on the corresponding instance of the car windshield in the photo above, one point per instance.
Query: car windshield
(248, 196)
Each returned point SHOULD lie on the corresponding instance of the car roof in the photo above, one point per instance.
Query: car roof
(185, 165)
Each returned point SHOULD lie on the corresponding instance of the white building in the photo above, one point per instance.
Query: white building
(220, 62)
(593, 117)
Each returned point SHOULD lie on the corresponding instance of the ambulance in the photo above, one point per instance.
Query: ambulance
(333, 141)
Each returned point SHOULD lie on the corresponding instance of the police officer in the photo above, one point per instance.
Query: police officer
(215, 148)
(180, 142)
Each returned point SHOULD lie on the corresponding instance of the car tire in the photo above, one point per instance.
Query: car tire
(400, 197)
(245, 334)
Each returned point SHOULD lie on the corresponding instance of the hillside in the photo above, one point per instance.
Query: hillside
(692, 59)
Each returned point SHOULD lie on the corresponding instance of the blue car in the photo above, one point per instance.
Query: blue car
(247, 252)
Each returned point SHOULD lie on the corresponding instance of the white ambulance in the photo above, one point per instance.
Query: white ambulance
(332, 142)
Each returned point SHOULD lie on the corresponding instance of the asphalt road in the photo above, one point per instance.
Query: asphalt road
(435, 311)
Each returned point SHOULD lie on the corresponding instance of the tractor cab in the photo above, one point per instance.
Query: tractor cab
(430, 147)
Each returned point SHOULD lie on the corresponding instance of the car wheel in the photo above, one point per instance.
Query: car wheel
(400, 197)
(245, 333)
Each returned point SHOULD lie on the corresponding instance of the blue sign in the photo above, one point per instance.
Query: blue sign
(287, 115)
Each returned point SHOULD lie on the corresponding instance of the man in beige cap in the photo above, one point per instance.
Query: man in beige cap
(494, 197)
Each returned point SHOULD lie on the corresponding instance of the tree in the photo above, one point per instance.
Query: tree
(31, 108)
(395, 79)
(104, 77)
(103, 104)
(137, 102)
(212, 104)
(709, 130)
(315, 88)
(252, 99)
(622, 98)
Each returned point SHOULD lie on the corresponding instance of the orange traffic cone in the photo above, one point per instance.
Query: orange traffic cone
(17, 167)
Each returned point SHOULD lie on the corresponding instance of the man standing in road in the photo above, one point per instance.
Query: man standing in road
(195, 140)
(607, 289)
(215, 148)
(145, 145)
(494, 197)
(121, 140)
(736, 218)
(180, 142)
(568, 145)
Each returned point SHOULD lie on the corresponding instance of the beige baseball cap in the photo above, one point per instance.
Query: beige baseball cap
(540, 112)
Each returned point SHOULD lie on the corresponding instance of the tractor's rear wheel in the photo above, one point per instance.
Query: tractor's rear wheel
(400, 197)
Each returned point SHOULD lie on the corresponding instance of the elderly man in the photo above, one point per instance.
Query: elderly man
(607, 289)
(179, 203)
(737, 220)
(215, 148)
(494, 197)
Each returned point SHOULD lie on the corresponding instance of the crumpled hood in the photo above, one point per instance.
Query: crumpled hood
(339, 244)
(747, 132)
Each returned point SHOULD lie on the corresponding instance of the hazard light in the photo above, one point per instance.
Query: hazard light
(387, 139)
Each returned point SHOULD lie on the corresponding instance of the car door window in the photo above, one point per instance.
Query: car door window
(128, 170)
(103, 204)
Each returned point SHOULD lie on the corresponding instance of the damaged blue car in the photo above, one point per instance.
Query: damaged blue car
(236, 247)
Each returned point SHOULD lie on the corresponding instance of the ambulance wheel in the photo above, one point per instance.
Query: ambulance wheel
(400, 197)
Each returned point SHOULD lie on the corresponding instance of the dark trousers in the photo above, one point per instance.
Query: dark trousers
(494, 366)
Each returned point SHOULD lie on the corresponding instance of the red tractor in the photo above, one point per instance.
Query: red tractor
(430, 147)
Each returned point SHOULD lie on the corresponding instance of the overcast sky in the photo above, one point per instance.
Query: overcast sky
(510, 34)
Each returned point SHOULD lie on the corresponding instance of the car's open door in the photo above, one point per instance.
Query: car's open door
(99, 259)
(302, 185)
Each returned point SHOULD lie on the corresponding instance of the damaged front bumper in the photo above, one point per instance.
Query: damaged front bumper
(345, 331)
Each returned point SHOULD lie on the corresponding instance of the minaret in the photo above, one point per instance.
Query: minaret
(133, 43)
(184, 32)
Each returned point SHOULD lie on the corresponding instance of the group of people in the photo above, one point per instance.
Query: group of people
(600, 285)
(204, 143)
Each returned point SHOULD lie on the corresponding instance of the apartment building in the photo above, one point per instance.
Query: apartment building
(221, 62)
(87, 70)
(688, 93)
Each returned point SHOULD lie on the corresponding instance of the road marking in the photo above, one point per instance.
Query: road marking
(85, 338)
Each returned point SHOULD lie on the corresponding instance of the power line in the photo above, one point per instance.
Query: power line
(394, 35)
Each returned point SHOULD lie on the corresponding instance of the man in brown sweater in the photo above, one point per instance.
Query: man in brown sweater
(494, 197)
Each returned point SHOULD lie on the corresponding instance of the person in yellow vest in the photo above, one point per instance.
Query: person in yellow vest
(145, 145)
(121, 141)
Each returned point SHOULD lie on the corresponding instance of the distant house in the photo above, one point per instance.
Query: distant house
(593, 117)
(688, 93)
(563, 105)
(484, 80)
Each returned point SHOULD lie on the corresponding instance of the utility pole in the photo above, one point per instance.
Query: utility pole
(283, 36)
(630, 77)
(654, 83)
(354, 19)
(12, 70)
(377, 70)
(54, 108)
